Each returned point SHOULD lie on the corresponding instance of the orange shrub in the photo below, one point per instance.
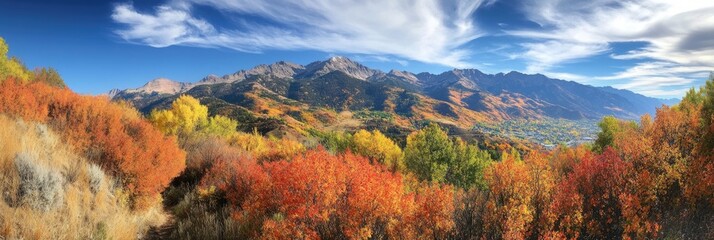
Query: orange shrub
(509, 209)
(126, 146)
(319, 195)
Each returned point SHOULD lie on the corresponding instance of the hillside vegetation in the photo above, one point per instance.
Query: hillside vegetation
(286, 99)
(49, 192)
(81, 167)
(77, 167)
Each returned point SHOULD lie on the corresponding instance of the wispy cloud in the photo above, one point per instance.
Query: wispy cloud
(168, 26)
(543, 55)
(430, 31)
(379, 58)
(679, 37)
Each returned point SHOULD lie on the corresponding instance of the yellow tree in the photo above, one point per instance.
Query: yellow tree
(11, 67)
(187, 116)
(220, 126)
(378, 147)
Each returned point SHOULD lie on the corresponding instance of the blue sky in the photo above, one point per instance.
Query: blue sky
(657, 48)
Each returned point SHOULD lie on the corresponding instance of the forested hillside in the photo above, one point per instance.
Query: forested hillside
(303, 97)
(186, 167)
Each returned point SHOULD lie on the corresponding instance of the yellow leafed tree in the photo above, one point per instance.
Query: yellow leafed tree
(378, 147)
(11, 67)
(187, 117)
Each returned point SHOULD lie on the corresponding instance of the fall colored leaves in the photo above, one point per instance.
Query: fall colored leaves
(188, 117)
(112, 136)
(318, 194)
(651, 179)
(644, 180)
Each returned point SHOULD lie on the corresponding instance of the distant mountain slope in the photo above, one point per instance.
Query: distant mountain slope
(460, 97)
(643, 103)
(542, 95)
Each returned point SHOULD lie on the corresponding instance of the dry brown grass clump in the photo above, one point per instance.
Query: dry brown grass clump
(48, 192)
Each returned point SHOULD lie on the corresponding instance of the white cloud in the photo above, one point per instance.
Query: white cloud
(430, 31)
(544, 55)
(568, 76)
(168, 27)
(679, 37)
(378, 58)
(664, 93)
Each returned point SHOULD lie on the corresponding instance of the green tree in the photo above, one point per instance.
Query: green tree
(220, 126)
(49, 76)
(432, 156)
(466, 169)
(428, 153)
(609, 126)
(707, 100)
(333, 141)
(707, 95)
(693, 96)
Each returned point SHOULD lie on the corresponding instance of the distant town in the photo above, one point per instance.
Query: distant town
(547, 132)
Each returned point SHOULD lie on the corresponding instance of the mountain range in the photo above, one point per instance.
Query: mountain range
(337, 90)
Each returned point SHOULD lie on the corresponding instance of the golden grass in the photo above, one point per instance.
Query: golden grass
(91, 206)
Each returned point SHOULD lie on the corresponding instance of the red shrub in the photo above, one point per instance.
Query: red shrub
(592, 197)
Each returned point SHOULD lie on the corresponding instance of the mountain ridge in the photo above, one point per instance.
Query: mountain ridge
(450, 96)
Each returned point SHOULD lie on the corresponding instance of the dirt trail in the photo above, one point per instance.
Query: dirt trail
(163, 231)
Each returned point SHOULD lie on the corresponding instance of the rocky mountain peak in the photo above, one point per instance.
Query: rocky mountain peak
(112, 93)
(409, 77)
(211, 78)
(281, 69)
(338, 63)
(161, 85)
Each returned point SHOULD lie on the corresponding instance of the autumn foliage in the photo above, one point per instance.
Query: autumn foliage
(639, 180)
(508, 210)
(378, 147)
(108, 134)
(317, 194)
(265, 148)
(188, 118)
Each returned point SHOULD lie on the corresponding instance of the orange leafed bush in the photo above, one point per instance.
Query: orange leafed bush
(125, 145)
(432, 216)
(592, 196)
(509, 210)
(319, 195)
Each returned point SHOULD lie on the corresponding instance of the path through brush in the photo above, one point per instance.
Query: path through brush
(162, 232)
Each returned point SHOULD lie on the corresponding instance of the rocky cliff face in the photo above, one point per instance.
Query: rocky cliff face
(280, 69)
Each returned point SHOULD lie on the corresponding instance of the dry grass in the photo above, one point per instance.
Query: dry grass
(48, 192)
